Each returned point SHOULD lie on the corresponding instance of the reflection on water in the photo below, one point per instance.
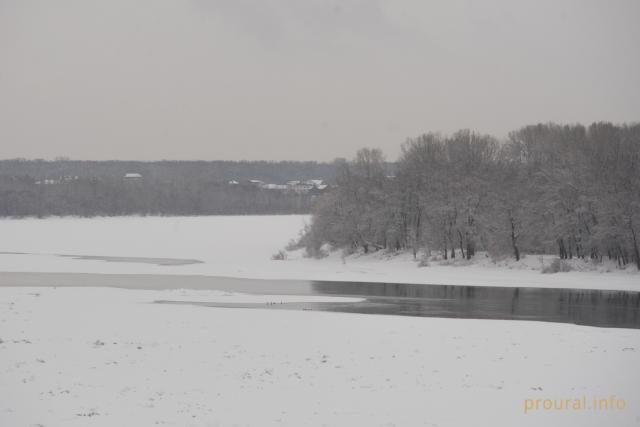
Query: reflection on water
(584, 307)
(618, 309)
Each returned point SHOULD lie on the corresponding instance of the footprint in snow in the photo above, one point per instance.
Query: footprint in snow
(87, 414)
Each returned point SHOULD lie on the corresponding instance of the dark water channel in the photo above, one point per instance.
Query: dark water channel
(612, 309)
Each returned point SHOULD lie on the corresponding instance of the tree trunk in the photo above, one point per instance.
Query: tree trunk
(416, 240)
(445, 248)
(471, 248)
(636, 250)
(516, 251)
(461, 244)
(561, 249)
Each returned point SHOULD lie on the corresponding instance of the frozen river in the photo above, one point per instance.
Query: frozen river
(600, 308)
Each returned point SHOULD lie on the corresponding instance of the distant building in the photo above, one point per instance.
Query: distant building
(61, 180)
(303, 187)
(314, 186)
(48, 182)
(275, 187)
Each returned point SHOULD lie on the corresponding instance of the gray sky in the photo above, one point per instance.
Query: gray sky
(302, 79)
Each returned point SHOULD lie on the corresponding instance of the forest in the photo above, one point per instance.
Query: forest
(169, 170)
(547, 188)
(90, 188)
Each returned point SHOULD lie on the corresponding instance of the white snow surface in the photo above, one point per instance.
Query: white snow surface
(242, 246)
(110, 357)
(190, 295)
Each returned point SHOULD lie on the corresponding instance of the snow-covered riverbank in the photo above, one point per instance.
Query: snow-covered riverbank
(105, 357)
(242, 246)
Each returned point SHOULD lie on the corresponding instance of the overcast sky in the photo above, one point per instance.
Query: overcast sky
(302, 79)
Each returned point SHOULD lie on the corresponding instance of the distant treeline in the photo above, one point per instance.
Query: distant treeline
(568, 189)
(170, 171)
(90, 188)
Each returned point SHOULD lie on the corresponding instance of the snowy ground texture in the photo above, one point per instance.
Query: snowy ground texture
(111, 357)
(108, 357)
(242, 247)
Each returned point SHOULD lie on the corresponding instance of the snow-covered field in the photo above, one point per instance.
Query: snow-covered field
(107, 357)
(110, 357)
(242, 246)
